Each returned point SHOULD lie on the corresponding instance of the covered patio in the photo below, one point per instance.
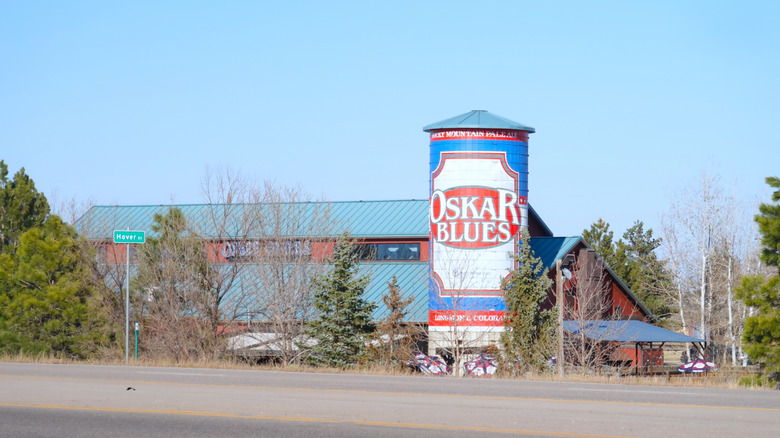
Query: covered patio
(648, 340)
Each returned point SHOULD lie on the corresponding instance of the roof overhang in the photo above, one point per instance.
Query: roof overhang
(625, 331)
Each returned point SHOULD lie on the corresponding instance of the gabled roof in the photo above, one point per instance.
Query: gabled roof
(550, 249)
(626, 331)
(478, 119)
(534, 216)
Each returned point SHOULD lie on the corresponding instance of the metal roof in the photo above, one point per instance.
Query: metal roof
(478, 119)
(412, 278)
(363, 219)
(626, 331)
(550, 249)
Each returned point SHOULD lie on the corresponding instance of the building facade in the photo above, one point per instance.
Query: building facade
(448, 253)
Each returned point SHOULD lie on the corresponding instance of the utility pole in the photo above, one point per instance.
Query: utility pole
(559, 303)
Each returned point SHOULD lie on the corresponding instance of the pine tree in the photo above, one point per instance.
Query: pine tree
(635, 262)
(47, 301)
(769, 225)
(21, 206)
(762, 330)
(528, 334)
(599, 237)
(639, 267)
(343, 325)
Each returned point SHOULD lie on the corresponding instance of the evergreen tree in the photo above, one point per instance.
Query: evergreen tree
(47, 301)
(769, 226)
(21, 206)
(635, 262)
(528, 335)
(761, 334)
(599, 237)
(639, 267)
(344, 322)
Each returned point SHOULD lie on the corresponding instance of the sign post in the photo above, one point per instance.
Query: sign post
(128, 237)
(136, 342)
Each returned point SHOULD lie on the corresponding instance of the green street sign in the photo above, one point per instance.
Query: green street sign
(129, 236)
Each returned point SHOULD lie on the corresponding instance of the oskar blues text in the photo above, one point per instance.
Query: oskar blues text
(475, 216)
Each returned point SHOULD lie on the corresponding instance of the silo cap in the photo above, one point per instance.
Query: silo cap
(480, 119)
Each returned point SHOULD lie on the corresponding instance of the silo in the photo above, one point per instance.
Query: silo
(478, 203)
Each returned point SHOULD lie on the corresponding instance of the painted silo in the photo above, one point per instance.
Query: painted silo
(478, 203)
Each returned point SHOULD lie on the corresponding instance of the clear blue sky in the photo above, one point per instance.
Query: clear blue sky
(130, 102)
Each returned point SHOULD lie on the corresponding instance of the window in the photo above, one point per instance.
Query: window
(387, 251)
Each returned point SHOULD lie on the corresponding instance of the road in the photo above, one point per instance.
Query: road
(42, 400)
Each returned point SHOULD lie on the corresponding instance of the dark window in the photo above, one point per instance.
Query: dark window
(387, 251)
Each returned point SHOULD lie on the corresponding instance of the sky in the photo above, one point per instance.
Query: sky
(132, 103)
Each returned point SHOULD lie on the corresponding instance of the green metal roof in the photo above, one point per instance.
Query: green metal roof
(363, 219)
(478, 119)
(412, 278)
(550, 249)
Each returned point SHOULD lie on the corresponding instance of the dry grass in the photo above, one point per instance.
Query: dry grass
(723, 378)
(229, 364)
(711, 380)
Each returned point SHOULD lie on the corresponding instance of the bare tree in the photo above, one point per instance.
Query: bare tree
(733, 237)
(709, 245)
(678, 264)
(396, 339)
(171, 292)
(73, 209)
(698, 213)
(592, 313)
(289, 254)
(461, 335)
(231, 223)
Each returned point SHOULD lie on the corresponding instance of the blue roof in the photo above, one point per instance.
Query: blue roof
(479, 119)
(550, 249)
(626, 331)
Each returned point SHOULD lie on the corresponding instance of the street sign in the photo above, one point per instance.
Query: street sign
(129, 236)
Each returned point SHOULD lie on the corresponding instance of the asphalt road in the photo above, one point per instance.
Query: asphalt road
(40, 400)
